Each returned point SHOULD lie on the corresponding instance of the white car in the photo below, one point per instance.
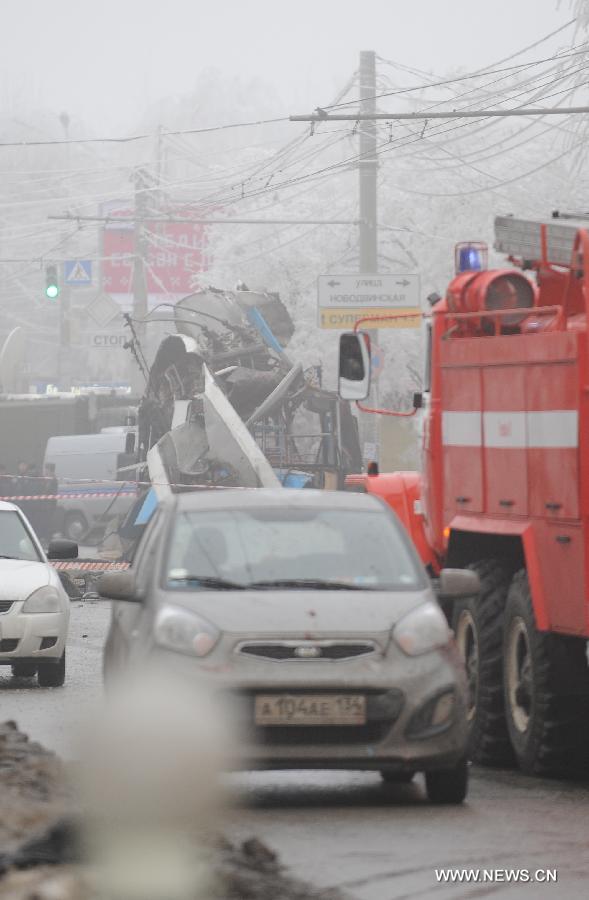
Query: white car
(34, 607)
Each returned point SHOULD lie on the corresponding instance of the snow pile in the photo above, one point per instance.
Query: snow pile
(42, 835)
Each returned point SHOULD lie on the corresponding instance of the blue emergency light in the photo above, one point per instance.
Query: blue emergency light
(471, 256)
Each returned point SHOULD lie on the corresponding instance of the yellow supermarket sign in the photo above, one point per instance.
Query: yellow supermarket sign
(345, 318)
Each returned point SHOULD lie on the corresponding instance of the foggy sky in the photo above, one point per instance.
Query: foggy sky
(105, 61)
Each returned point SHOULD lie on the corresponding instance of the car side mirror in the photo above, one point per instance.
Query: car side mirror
(61, 549)
(119, 586)
(417, 400)
(456, 583)
(354, 365)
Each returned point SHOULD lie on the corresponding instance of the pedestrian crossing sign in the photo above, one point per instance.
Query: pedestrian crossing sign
(78, 271)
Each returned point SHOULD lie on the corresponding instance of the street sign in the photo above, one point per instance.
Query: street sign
(103, 309)
(345, 319)
(177, 252)
(343, 299)
(107, 340)
(372, 291)
(78, 272)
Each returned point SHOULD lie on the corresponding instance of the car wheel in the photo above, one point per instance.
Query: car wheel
(396, 777)
(52, 674)
(75, 526)
(478, 627)
(448, 785)
(546, 690)
(24, 670)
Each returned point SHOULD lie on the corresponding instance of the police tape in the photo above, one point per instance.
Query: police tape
(78, 495)
(355, 479)
(105, 566)
(113, 482)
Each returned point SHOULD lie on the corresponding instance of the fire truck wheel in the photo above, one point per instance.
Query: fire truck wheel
(478, 626)
(546, 690)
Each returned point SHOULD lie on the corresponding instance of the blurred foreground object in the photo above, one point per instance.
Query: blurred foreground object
(150, 790)
(40, 855)
(47, 883)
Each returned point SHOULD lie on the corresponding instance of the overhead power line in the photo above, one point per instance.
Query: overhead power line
(498, 62)
(142, 137)
(71, 217)
(479, 73)
(450, 114)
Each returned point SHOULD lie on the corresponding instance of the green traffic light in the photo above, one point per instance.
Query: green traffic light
(51, 283)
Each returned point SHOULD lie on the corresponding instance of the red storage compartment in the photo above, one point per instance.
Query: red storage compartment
(504, 438)
(561, 559)
(462, 440)
(553, 438)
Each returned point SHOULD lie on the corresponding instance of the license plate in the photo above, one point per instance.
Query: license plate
(310, 709)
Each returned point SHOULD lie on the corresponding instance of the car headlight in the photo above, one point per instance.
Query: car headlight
(43, 600)
(422, 630)
(185, 632)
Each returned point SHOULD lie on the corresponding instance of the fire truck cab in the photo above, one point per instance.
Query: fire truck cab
(504, 488)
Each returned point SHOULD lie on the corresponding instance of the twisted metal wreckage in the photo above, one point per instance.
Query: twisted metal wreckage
(224, 404)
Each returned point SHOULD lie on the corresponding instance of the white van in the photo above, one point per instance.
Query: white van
(85, 464)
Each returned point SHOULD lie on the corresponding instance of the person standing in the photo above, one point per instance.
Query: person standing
(34, 486)
(50, 487)
(6, 482)
(21, 487)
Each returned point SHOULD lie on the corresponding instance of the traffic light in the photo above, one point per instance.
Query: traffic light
(51, 283)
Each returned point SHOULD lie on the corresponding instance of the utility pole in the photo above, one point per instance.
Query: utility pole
(367, 165)
(64, 371)
(140, 249)
(141, 252)
(368, 236)
(367, 190)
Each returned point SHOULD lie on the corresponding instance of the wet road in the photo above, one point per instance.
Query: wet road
(54, 716)
(347, 829)
(384, 843)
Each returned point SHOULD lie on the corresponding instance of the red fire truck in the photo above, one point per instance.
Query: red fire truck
(504, 487)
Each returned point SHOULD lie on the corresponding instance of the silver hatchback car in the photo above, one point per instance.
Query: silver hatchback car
(312, 611)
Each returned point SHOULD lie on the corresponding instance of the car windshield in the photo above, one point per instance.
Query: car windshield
(310, 548)
(15, 540)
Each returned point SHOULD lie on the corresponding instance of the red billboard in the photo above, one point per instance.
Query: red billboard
(177, 252)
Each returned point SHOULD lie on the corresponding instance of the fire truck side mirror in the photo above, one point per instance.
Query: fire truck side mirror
(354, 365)
(456, 583)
